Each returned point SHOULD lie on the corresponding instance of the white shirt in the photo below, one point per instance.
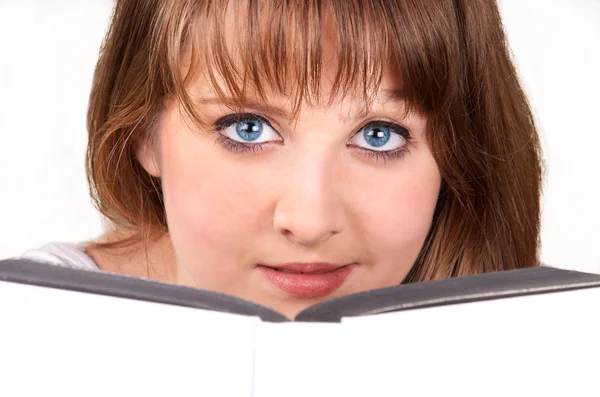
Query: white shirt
(62, 254)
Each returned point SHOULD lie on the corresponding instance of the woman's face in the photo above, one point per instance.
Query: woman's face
(291, 213)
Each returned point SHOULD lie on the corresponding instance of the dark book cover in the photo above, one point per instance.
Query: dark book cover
(481, 287)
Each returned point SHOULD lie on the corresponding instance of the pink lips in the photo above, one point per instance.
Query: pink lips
(307, 280)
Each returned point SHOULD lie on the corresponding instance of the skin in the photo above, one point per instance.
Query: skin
(312, 193)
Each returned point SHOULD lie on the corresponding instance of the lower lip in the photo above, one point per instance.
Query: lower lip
(305, 285)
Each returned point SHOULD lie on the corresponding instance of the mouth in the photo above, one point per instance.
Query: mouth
(307, 280)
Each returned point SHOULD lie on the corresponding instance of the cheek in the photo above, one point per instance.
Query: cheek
(211, 206)
(395, 222)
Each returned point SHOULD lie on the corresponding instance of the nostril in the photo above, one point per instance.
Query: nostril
(307, 237)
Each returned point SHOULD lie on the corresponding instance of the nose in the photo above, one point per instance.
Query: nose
(309, 210)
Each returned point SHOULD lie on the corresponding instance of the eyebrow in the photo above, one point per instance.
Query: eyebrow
(395, 96)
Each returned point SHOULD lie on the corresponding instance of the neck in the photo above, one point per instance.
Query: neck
(123, 252)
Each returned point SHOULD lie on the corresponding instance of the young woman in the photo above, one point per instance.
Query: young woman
(289, 152)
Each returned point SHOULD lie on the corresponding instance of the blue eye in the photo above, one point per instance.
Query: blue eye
(249, 128)
(381, 136)
(377, 136)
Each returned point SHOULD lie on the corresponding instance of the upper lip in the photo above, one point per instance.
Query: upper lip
(307, 268)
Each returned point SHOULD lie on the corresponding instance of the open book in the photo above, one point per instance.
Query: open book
(75, 332)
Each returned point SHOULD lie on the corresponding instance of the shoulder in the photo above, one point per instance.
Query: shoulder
(62, 254)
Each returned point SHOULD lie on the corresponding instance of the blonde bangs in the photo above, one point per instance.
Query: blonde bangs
(278, 47)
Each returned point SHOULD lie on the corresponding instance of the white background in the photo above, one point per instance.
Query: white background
(47, 53)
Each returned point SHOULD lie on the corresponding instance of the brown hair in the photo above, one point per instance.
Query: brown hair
(455, 66)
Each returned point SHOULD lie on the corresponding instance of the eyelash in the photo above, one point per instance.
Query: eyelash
(241, 148)
(387, 156)
(234, 146)
(253, 148)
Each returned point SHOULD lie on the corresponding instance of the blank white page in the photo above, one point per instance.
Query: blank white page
(62, 343)
(537, 345)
